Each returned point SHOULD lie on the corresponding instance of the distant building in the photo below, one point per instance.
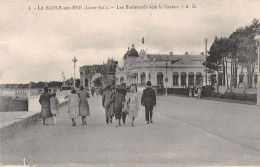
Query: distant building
(105, 72)
(89, 73)
(161, 69)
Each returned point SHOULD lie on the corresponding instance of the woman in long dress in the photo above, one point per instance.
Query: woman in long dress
(83, 105)
(73, 103)
(54, 108)
(118, 104)
(133, 104)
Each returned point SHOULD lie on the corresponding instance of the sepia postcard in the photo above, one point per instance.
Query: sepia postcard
(129, 83)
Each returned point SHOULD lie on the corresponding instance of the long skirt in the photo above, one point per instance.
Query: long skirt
(109, 111)
(118, 112)
(74, 112)
(84, 109)
(132, 111)
(46, 112)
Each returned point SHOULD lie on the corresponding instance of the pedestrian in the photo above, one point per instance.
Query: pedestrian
(83, 105)
(131, 101)
(100, 91)
(92, 91)
(194, 90)
(124, 111)
(73, 104)
(148, 100)
(54, 108)
(198, 93)
(190, 92)
(118, 105)
(45, 106)
(107, 102)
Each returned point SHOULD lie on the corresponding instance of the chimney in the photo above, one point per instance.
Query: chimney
(202, 53)
(171, 54)
(186, 53)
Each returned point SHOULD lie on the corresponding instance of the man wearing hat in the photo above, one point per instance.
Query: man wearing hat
(107, 102)
(45, 105)
(149, 101)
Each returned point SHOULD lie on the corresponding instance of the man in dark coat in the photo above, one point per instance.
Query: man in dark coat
(107, 102)
(149, 101)
(45, 105)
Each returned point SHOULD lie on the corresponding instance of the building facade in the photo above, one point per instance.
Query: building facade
(105, 72)
(170, 70)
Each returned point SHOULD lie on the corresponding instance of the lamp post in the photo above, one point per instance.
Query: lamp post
(166, 78)
(206, 51)
(74, 61)
(257, 38)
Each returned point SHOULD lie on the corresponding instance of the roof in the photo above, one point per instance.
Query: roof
(125, 55)
(132, 52)
(184, 59)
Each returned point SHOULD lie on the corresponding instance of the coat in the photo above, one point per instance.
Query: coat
(148, 97)
(131, 100)
(83, 103)
(118, 100)
(45, 105)
(107, 102)
(73, 104)
(54, 105)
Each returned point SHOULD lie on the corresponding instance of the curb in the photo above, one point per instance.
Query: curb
(10, 130)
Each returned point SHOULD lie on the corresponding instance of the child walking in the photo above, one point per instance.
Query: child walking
(54, 108)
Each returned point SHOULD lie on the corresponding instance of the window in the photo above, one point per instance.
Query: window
(175, 79)
(191, 79)
(160, 78)
(143, 78)
(183, 79)
(198, 78)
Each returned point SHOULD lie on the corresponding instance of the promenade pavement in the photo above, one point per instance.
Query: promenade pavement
(185, 132)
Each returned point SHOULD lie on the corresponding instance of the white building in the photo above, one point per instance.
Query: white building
(180, 70)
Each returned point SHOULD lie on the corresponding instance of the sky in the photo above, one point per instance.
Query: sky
(37, 45)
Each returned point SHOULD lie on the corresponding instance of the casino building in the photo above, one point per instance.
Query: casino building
(170, 70)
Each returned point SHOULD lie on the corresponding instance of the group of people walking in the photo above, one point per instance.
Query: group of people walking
(49, 107)
(120, 103)
(117, 102)
(77, 106)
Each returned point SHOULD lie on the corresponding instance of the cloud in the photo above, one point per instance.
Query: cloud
(38, 45)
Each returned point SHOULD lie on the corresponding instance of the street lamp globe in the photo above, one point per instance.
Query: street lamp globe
(74, 59)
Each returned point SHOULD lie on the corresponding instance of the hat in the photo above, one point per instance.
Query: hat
(108, 87)
(46, 89)
(148, 83)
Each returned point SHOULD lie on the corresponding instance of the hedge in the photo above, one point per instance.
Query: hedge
(209, 91)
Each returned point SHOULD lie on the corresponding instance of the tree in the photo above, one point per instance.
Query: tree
(246, 51)
(214, 60)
